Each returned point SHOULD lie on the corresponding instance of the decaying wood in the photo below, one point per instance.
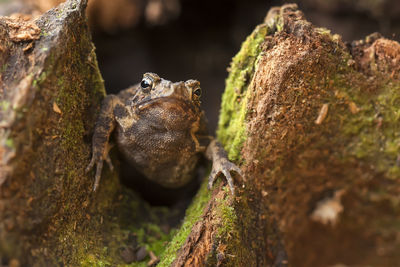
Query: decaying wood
(51, 89)
(320, 153)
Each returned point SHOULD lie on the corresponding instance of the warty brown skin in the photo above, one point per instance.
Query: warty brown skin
(161, 130)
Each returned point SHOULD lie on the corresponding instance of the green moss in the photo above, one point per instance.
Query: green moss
(44, 34)
(94, 235)
(232, 134)
(75, 86)
(77, 226)
(70, 102)
(9, 143)
(153, 239)
(232, 131)
(92, 260)
(278, 22)
(323, 31)
(4, 67)
(4, 105)
(226, 212)
(193, 214)
(373, 132)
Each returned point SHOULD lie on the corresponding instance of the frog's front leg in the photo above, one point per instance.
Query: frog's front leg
(105, 124)
(220, 164)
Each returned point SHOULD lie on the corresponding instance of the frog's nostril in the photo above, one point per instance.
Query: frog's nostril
(192, 83)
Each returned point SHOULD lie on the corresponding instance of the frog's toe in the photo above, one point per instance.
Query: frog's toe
(212, 178)
(99, 167)
(229, 180)
(225, 168)
(236, 169)
(91, 164)
(109, 162)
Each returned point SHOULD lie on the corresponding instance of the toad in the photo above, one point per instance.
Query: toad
(161, 130)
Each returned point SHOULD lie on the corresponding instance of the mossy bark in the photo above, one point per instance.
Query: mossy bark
(51, 93)
(315, 125)
(50, 96)
(322, 144)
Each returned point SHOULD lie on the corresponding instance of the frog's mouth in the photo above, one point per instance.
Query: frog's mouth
(145, 103)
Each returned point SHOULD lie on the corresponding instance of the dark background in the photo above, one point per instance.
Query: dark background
(199, 41)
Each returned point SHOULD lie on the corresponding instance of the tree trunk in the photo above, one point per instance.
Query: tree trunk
(313, 122)
(51, 93)
(315, 125)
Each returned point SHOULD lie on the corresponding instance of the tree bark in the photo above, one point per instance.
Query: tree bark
(50, 95)
(315, 125)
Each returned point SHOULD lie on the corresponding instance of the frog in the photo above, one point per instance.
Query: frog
(161, 130)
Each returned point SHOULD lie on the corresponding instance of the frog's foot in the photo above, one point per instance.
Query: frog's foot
(225, 167)
(99, 166)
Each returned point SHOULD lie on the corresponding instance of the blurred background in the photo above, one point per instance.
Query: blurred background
(187, 39)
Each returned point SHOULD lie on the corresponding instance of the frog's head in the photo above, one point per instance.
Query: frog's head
(153, 89)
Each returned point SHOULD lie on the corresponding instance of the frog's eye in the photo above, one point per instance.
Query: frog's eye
(146, 83)
(197, 93)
